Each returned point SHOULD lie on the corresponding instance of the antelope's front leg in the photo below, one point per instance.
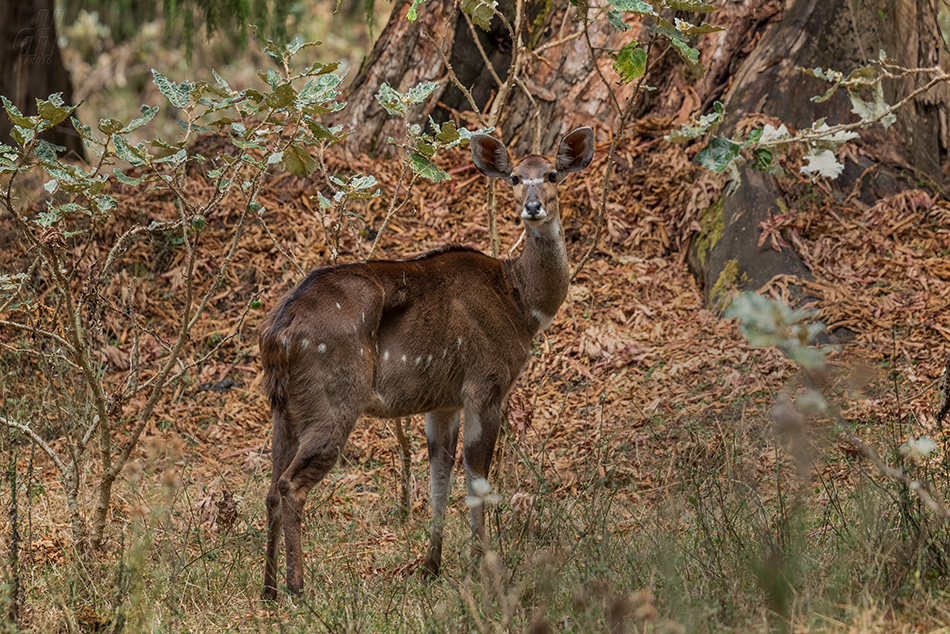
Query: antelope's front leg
(442, 434)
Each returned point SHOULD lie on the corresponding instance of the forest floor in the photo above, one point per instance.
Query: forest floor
(641, 478)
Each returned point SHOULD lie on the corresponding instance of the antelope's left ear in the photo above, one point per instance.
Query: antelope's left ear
(575, 152)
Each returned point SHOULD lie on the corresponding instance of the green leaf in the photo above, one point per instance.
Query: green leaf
(718, 154)
(701, 126)
(762, 160)
(53, 111)
(85, 131)
(177, 94)
(412, 15)
(418, 94)
(47, 152)
(691, 29)
(176, 158)
(283, 96)
(616, 19)
(298, 161)
(323, 133)
(449, 133)
(148, 113)
(110, 126)
(425, 148)
(122, 177)
(868, 110)
(480, 11)
(424, 167)
(696, 6)
(324, 202)
(319, 68)
(16, 116)
(633, 6)
(689, 55)
(630, 62)
(392, 101)
(134, 156)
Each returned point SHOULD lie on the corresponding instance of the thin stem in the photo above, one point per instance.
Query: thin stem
(26, 429)
(611, 155)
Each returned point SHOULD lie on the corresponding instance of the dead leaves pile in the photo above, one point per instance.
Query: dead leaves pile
(630, 359)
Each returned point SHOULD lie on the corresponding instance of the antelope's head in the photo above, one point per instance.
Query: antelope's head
(534, 178)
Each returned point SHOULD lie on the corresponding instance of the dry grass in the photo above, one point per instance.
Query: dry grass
(643, 486)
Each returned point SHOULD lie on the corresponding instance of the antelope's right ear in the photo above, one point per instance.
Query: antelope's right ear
(490, 156)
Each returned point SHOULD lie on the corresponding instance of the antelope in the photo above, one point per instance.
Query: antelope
(444, 332)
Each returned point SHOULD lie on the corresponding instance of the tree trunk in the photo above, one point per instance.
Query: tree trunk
(835, 34)
(31, 67)
(565, 91)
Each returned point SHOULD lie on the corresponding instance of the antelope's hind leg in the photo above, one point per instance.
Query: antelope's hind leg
(283, 449)
(442, 433)
(325, 400)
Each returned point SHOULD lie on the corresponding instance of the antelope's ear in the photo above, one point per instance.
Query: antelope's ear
(575, 152)
(490, 156)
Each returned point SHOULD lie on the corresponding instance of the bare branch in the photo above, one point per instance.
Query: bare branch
(39, 331)
(26, 429)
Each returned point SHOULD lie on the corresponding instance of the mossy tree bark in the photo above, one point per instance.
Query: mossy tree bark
(31, 66)
(838, 34)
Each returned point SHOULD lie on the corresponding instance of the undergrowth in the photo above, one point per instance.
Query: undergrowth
(724, 546)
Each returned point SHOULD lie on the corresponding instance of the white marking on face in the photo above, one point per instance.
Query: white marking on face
(544, 321)
(322, 348)
(533, 181)
(541, 215)
(386, 356)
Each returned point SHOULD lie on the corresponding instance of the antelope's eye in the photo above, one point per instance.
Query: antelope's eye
(552, 177)
(515, 180)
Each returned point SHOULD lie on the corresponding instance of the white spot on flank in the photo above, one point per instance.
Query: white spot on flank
(385, 355)
(303, 343)
(444, 351)
(403, 358)
(459, 346)
(338, 306)
(364, 318)
(418, 360)
(377, 347)
(543, 320)
(361, 351)
(429, 360)
(322, 347)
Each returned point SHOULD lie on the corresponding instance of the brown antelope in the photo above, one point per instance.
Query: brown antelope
(446, 331)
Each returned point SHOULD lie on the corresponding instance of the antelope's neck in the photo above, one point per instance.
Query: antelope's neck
(541, 273)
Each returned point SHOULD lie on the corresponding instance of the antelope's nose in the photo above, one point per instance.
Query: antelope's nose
(532, 209)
